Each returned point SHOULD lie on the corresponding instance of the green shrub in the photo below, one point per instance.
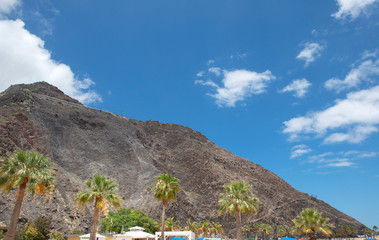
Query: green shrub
(128, 218)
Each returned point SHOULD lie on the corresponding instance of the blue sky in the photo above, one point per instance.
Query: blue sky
(290, 85)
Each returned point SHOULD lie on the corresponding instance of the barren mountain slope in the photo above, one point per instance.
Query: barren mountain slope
(82, 141)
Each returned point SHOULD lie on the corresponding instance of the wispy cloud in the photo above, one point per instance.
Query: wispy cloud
(340, 163)
(310, 52)
(238, 56)
(362, 73)
(352, 8)
(24, 59)
(298, 86)
(300, 150)
(350, 120)
(200, 74)
(210, 61)
(237, 85)
(215, 70)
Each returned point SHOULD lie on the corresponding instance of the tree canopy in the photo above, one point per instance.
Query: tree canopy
(311, 222)
(128, 218)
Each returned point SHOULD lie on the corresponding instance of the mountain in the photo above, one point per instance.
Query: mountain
(82, 141)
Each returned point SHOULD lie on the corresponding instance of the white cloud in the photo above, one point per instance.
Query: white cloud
(310, 52)
(356, 135)
(238, 85)
(215, 70)
(200, 74)
(7, 6)
(24, 59)
(300, 150)
(210, 61)
(342, 163)
(368, 155)
(363, 72)
(352, 8)
(238, 56)
(352, 119)
(298, 86)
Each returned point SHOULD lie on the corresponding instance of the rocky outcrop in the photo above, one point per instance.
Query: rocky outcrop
(82, 141)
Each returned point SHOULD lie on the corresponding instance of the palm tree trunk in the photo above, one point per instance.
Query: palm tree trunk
(238, 225)
(256, 235)
(162, 227)
(11, 233)
(94, 223)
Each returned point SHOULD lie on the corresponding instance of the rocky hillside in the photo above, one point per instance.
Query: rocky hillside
(82, 141)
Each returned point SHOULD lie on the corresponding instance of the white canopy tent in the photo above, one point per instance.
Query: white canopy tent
(134, 233)
(98, 237)
(180, 234)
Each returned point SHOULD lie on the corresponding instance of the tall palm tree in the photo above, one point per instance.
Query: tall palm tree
(266, 229)
(102, 191)
(28, 171)
(311, 222)
(237, 200)
(165, 189)
(246, 230)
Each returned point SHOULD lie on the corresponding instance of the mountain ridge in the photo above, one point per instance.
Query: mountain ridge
(82, 141)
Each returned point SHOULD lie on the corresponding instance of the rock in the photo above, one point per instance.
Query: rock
(82, 141)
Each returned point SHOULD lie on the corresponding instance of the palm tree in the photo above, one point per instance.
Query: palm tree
(375, 228)
(257, 228)
(245, 229)
(237, 200)
(266, 229)
(172, 225)
(281, 231)
(102, 191)
(205, 228)
(368, 232)
(311, 222)
(165, 189)
(28, 171)
(346, 231)
(217, 228)
(192, 226)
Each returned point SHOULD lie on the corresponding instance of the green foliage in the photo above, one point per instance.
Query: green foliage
(77, 231)
(29, 232)
(101, 190)
(1, 234)
(282, 231)
(171, 225)
(39, 230)
(165, 188)
(311, 222)
(368, 232)
(30, 167)
(246, 229)
(346, 231)
(54, 235)
(128, 218)
(43, 226)
(264, 228)
(237, 198)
